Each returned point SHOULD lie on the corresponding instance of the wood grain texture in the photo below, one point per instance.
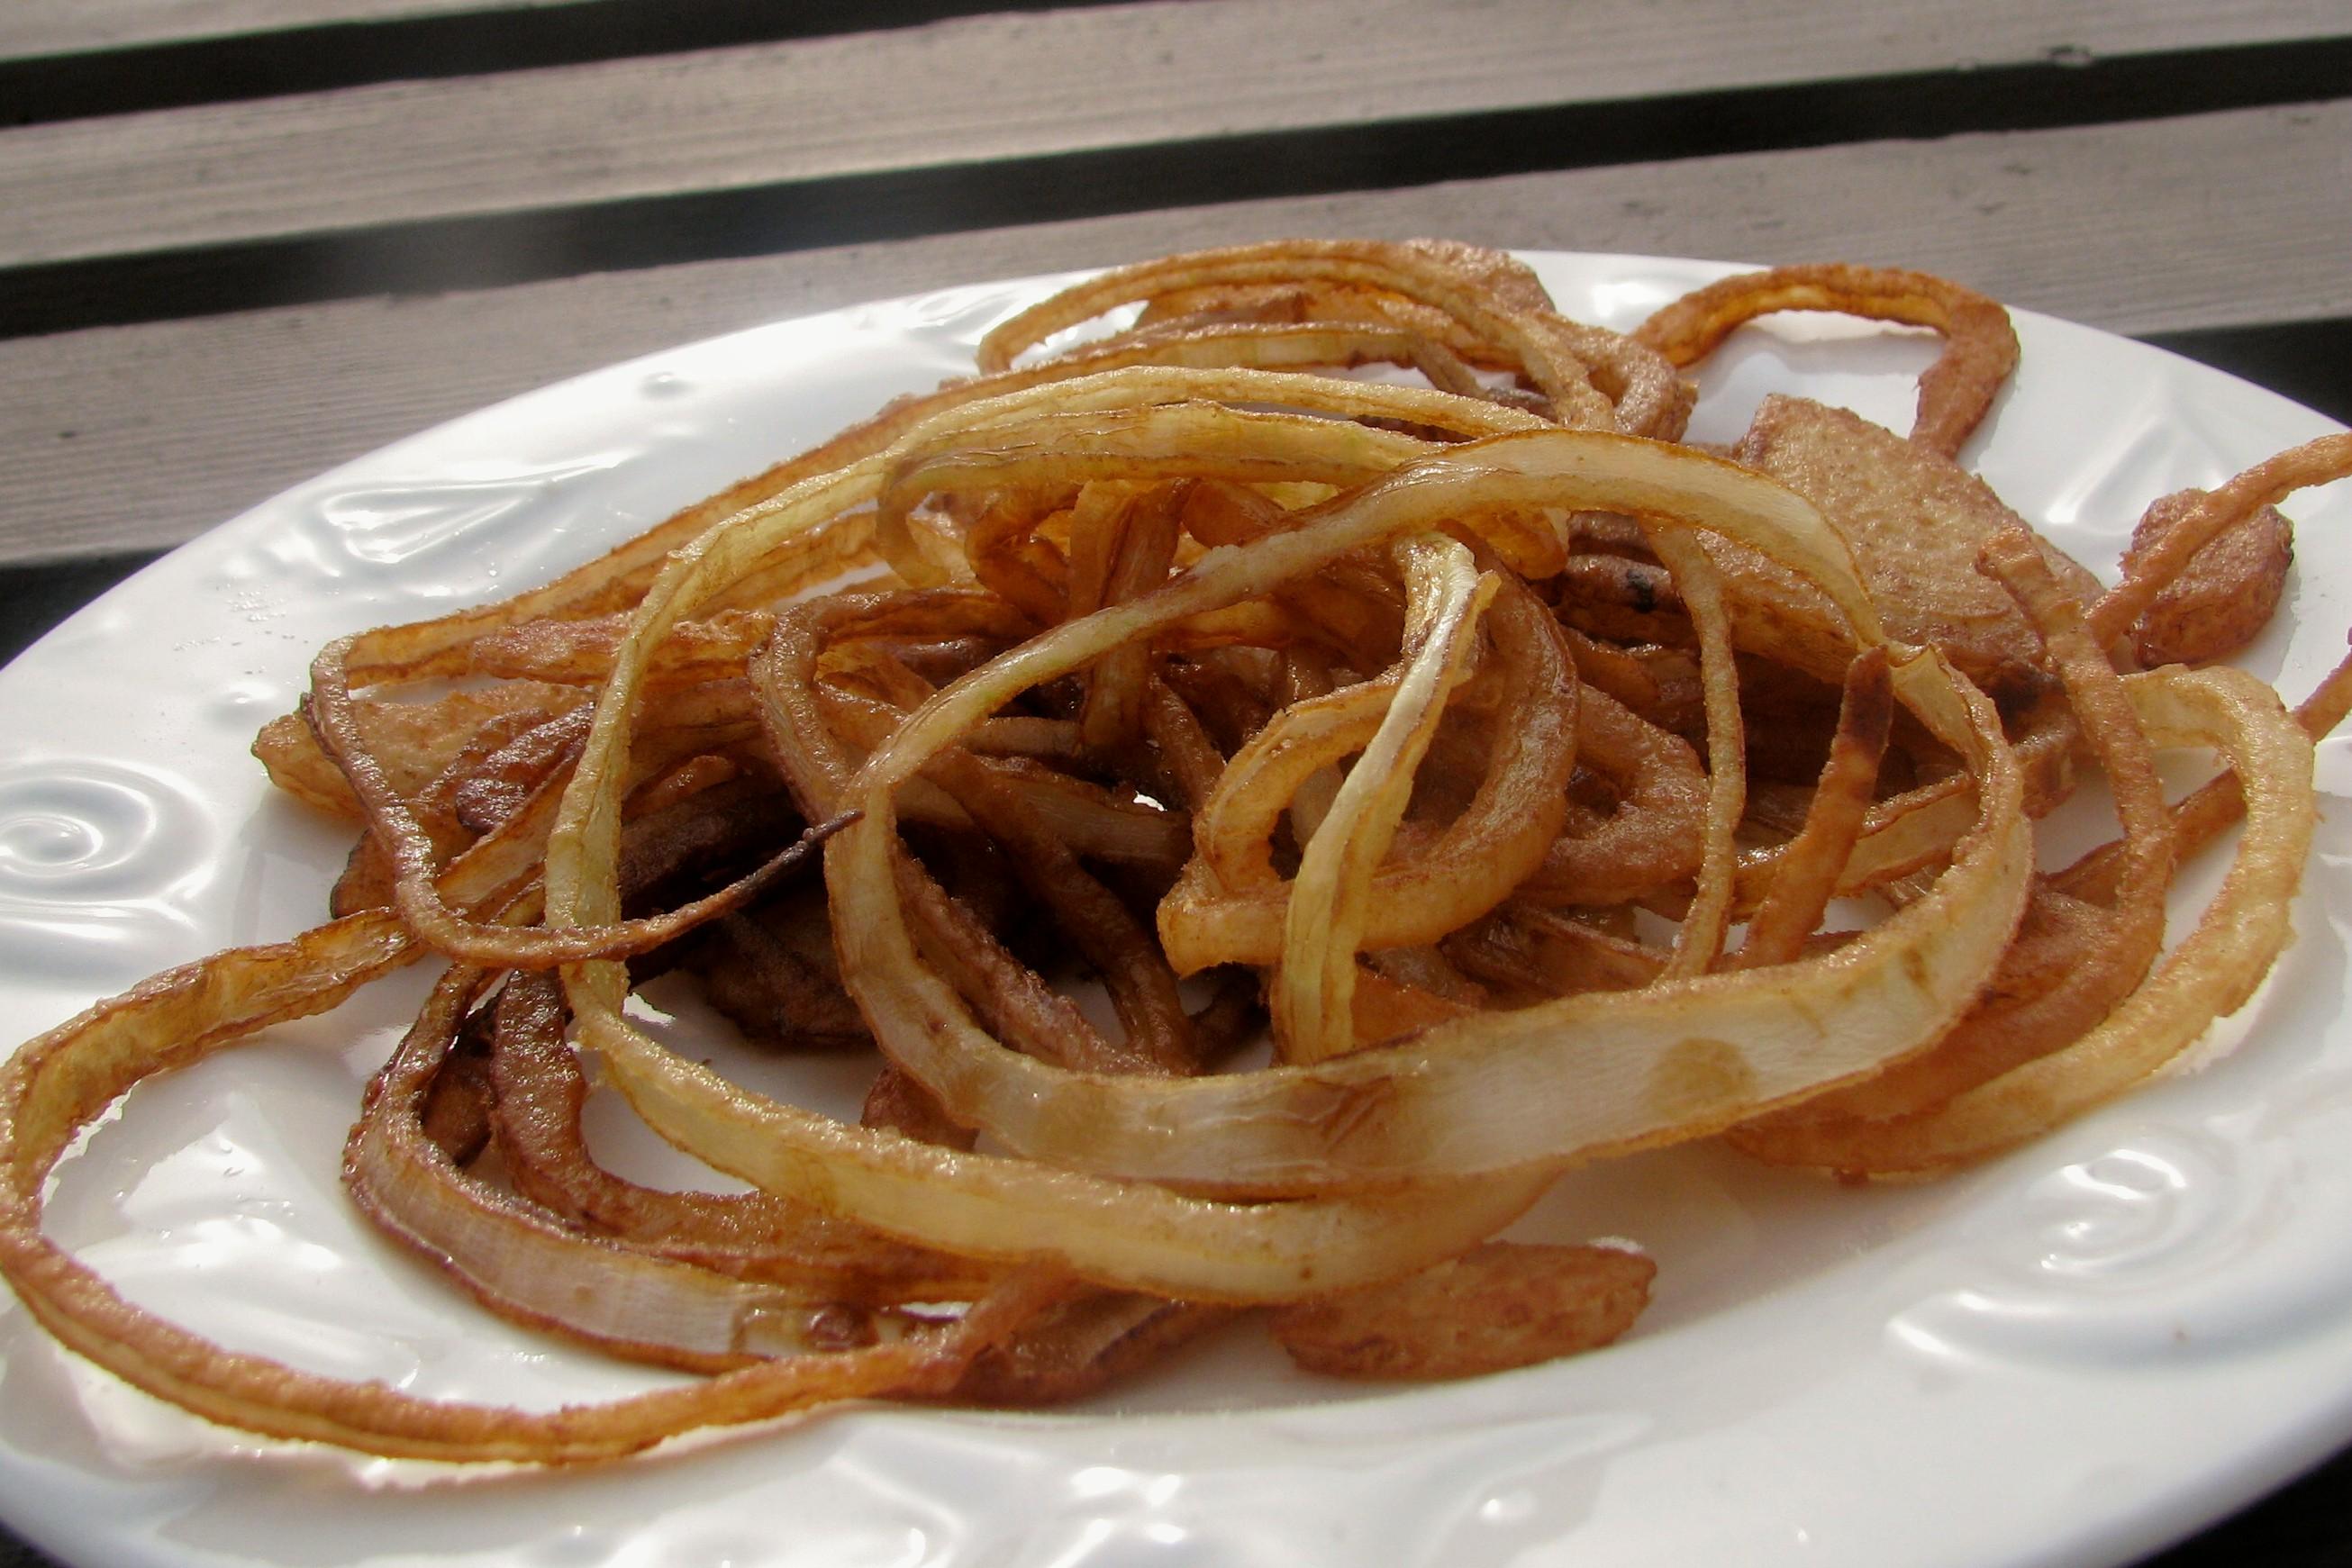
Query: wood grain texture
(32, 28)
(974, 90)
(137, 436)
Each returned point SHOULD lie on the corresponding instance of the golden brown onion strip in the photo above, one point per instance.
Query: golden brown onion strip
(1482, 1097)
(1979, 345)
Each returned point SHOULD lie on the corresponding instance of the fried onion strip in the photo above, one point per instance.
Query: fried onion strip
(524, 1265)
(1218, 1147)
(1229, 908)
(2266, 484)
(57, 1084)
(1807, 872)
(1701, 582)
(1979, 345)
(2212, 806)
(2211, 973)
(1325, 920)
(1397, 269)
(1388, 702)
(2071, 963)
(415, 891)
(539, 1093)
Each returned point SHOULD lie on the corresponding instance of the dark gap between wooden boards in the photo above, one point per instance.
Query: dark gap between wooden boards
(2309, 361)
(36, 596)
(410, 48)
(488, 251)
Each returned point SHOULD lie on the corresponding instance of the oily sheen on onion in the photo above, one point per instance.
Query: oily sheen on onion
(1387, 717)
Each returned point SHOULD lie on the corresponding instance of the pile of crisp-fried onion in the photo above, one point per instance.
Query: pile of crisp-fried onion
(1413, 726)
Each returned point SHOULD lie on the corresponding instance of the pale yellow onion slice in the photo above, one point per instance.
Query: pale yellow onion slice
(1281, 346)
(1131, 387)
(439, 647)
(1129, 1234)
(1145, 418)
(1484, 1095)
(704, 567)
(528, 1267)
(1292, 758)
(1111, 1232)
(57, 1084)
(1488, 1097)
(1700, 580)
(1314, 990)
(2210, 974)
(1167, 423)
(539, 1093)
(1228, 906)
(1400, 269)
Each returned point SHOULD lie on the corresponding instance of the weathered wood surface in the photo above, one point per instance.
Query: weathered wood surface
(979, 89)
(32, 28)
(146, 435)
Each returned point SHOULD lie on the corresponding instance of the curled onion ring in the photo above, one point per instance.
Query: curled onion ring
(1210, 581)
(1366, 1120)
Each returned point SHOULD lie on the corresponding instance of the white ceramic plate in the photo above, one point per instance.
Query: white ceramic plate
(2069, 1356)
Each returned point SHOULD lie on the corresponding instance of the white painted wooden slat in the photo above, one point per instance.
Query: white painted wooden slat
(138, 436)
(31, 29)
(989, 88)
